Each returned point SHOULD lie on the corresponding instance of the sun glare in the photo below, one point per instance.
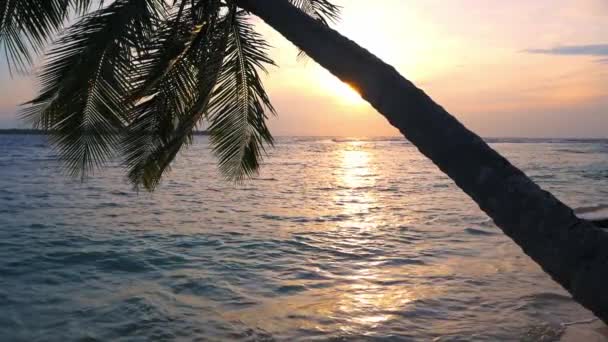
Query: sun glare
(343, 92)
(348, 93)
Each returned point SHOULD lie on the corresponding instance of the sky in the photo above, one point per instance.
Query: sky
(515, 68)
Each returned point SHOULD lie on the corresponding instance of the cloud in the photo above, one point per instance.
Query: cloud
(574, 50)
(593, 50)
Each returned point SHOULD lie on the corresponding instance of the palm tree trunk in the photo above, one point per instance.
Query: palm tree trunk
(573, 251)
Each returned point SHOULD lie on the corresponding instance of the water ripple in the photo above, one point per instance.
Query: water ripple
(335, 240)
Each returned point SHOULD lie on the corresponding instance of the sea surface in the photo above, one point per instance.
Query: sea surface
(337, 239)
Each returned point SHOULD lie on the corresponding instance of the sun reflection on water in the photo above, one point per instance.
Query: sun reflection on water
(355, 167)
(377, 284)
(356, 178)
(378, 288)
(370, 304)
(363, 300)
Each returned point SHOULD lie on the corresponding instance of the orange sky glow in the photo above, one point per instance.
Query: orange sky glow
(504, 68)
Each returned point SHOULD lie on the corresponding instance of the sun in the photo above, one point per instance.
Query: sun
(343, 92)
(348, 93)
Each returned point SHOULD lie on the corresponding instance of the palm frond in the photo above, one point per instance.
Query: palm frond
(321, 10)
(237, 116)
(86, 79)
(27, 25)
(138, 76)
(177, 77)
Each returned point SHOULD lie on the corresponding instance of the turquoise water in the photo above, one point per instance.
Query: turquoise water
(336, 239)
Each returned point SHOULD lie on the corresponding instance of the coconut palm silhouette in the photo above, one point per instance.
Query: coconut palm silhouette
(136, 77)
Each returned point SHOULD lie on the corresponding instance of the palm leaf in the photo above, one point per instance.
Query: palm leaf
(237, 118)
(138, 77)
(177, 78)
(322, 10)
(86, 79)
(27, 25)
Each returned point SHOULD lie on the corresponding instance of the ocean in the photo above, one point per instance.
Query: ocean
(336, 239)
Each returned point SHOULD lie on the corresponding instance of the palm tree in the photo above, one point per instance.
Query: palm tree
(135, 77)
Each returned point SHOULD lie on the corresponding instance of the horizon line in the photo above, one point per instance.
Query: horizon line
(34, 131)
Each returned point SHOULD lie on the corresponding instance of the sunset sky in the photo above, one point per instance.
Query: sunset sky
(505, 68)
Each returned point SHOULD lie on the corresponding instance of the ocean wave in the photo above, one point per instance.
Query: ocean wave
(476, 231)
(594, 212)
(319, 246)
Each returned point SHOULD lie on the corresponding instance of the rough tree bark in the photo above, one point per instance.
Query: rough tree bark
(572, 251)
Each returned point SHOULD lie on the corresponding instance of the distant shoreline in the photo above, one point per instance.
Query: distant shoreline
(31, 131)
